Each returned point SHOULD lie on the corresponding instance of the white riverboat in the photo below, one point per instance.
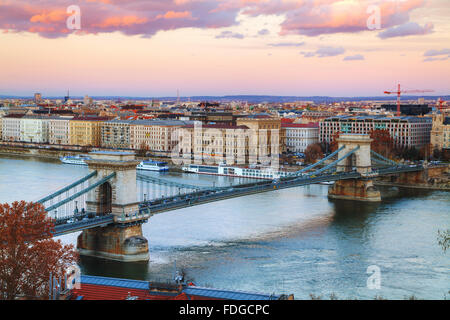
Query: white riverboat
(151, 165)
(224, 170)
(77, 159)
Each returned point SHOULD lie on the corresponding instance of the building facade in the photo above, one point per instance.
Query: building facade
(34, 129)
(154, 135)
(11, 127)
(298, 136)
(116, 134)
(85, 131)
(406, 131)
(219, 143)
(59, 130)
(269, 137)
(440, 133)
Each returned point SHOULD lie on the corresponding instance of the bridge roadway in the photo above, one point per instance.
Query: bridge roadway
(87, 221)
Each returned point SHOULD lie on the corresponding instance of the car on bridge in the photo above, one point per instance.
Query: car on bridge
(71, 220)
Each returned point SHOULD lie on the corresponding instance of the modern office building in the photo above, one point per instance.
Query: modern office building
(406, 131)
(408, 109)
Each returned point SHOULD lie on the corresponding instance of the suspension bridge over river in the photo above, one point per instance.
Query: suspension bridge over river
(110, 204)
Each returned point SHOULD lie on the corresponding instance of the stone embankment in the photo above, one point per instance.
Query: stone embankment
(435, 178)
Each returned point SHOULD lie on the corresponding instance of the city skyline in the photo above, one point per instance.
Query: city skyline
(217, 48)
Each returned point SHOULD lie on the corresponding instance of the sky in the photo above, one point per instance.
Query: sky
(151, 48)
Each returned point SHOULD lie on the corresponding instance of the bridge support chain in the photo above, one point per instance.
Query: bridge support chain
(354, 189)
(115, 242)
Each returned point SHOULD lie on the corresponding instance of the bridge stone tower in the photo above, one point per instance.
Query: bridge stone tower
(117, 196)
(355, 189)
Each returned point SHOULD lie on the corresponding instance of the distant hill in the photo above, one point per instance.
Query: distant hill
(249, 98)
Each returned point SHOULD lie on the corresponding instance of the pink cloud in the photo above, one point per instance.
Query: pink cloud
(317, 17)
(175, 15)
(121, 21)
(146, 17)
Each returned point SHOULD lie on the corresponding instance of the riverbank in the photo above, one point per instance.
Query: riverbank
(418, 186)
(52, 152)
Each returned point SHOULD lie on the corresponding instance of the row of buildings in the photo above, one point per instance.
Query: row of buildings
(223, 134)
(156, 135)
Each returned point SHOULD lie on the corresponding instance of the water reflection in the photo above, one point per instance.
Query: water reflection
(117, 269)
(292, 240)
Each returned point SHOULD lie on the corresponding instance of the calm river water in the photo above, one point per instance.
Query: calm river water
(287, 241)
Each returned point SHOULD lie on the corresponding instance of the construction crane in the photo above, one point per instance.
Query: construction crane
(399, 92)
(441, 102)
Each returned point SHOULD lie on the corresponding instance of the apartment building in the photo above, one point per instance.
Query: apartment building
(217, 143)
(59, 130)
(155, 135)
(116, 134)
(11, 127)
(298, 136)
(406, 131)
(85, 130)
(34, 129)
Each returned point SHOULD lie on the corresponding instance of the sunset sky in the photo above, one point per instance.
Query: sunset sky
(220, 47)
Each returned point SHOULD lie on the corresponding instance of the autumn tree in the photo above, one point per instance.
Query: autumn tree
(382, 142)
(142, 151)
(334, 144)
(28, 254)
(425, 152)
(313, 152)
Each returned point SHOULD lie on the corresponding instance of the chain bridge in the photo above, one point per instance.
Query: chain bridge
(110, 204)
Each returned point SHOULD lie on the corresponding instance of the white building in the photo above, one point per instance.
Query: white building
(298, 136)
(1, 126)
(11, 127)
(59, 130)
(34, 129)
(406, 131)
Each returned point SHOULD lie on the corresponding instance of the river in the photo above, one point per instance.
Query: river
(286, 241)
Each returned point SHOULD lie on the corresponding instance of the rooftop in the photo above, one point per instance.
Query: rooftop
(103, 288)
(300, 125)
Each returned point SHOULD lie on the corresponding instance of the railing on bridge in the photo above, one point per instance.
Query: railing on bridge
(161, 194)
(151, 188)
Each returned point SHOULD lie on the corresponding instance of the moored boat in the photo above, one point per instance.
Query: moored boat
(77, 159)
(223, 170)
(151, 165)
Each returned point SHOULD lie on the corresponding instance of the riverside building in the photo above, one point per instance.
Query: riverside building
(406, 131)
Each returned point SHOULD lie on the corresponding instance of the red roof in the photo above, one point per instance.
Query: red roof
(104, 292)
(300, 125)
(87, 118)
(287, 120)
(217, 126)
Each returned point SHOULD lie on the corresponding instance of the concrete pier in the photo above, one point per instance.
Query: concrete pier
(352, 189)
(355, 189)
(118, 196)
(114, 243)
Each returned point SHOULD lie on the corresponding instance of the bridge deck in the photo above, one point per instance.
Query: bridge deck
(216, 194)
